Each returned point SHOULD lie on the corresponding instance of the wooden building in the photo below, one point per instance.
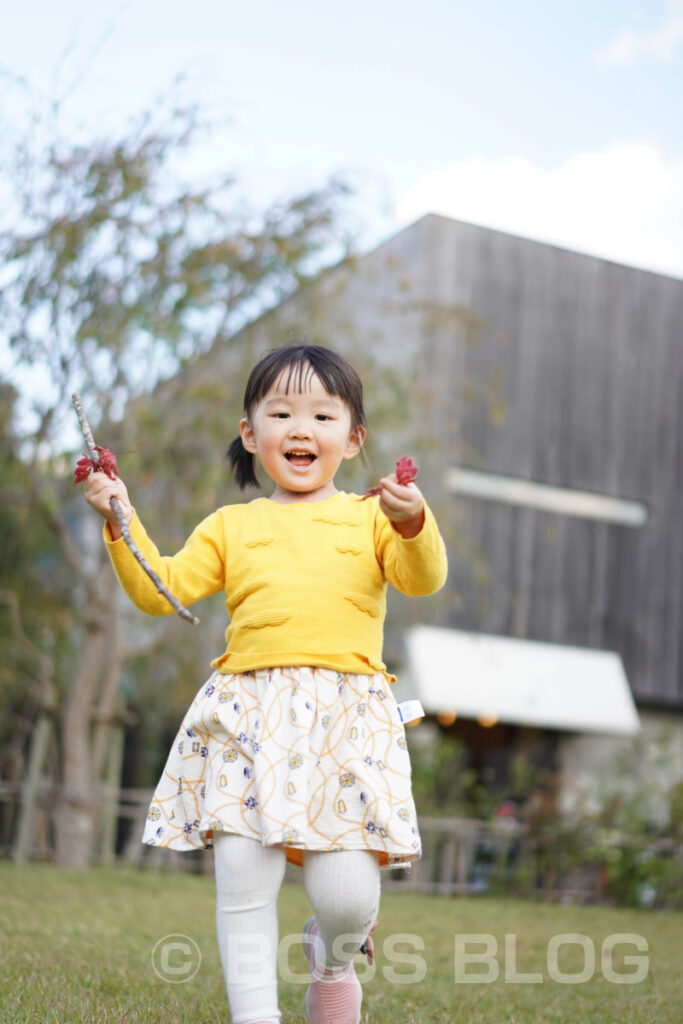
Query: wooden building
(541, 391)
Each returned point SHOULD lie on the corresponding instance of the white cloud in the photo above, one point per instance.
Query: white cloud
(660, 43)
(624, 203)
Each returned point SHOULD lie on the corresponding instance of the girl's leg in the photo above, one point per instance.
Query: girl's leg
(343, 887)
(248, 879)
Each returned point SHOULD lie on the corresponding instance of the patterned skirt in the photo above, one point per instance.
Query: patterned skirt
(309, 758)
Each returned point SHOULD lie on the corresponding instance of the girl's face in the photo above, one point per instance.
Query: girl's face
(301, 438)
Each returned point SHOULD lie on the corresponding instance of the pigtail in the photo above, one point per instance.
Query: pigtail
(242, 464)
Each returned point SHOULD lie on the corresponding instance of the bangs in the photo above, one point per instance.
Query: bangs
(295, 365)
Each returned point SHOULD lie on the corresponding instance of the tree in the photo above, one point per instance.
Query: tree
(115, 277)
(28, 558)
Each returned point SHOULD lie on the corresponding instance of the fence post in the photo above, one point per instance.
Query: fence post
(40, 742)
(116, 724)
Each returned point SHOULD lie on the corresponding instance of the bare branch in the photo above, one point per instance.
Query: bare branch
(117, 509)
(85, 429)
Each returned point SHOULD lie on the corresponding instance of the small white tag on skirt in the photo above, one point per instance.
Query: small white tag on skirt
(410, 711)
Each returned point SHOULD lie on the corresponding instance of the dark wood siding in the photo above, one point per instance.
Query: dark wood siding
(587, 360)
(524, 359)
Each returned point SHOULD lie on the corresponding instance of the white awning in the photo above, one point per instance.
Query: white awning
(493, 678)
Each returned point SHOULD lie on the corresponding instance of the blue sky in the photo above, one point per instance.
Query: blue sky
(555, 121)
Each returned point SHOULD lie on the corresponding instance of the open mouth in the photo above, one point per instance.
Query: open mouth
(300, 458)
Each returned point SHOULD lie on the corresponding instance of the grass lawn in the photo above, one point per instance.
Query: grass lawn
(77, 947)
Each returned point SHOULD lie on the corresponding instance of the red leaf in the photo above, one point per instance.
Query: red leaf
(107, 464)
(406, 470)
(84, 468)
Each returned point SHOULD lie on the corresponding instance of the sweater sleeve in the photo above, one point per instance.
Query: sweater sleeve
(416, 565)
(196, 571)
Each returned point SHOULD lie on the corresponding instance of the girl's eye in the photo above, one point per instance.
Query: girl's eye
(281, 415)
(323, 416)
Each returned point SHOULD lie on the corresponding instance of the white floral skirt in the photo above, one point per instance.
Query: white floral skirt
(310, 758)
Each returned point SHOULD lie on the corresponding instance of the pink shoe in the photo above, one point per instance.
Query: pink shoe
(333, 997)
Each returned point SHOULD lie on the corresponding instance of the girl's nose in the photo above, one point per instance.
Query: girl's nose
(299, 429)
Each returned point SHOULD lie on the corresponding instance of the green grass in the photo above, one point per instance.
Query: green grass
(76, 947)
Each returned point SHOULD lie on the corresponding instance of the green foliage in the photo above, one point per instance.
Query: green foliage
(615, 852)
(115, 273)
(442, 782)
(116, 276)
(32, 589)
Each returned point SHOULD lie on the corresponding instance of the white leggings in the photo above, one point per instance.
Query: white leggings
(342, 886)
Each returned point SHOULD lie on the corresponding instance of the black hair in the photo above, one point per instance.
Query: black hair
(336, 375)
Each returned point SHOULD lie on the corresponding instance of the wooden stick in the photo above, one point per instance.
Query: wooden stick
(117, 509)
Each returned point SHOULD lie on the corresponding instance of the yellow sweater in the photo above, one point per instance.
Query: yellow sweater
(305, 583)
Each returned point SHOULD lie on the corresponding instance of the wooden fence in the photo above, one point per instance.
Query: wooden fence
(461, 856)
(466, 856)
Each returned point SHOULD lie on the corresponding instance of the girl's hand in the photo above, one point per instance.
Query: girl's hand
(99, 490)
(403, 504)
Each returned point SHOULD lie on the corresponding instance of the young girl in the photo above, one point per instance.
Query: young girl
(294, 748)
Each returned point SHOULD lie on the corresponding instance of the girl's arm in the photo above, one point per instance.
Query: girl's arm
(195, 572)
(408, 544)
